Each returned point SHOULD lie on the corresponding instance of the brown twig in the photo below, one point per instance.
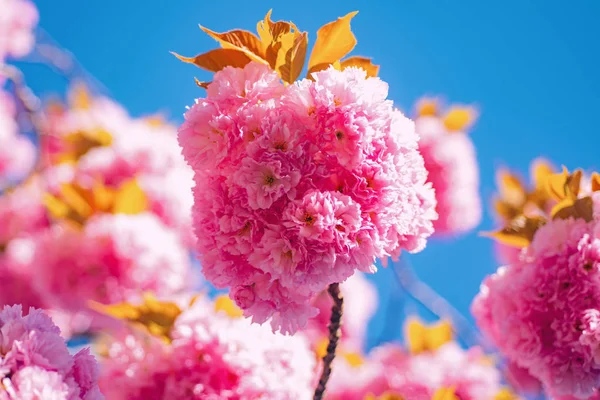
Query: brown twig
(32, 106)
(335, 325)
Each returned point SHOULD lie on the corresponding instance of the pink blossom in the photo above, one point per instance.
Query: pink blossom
(114, 258)
(21, 212)
(17, 22)
(542, 312)
(390, 369)
(451, 162)
(212, 356)
(17, 275)
(299, 186)
(35, 362)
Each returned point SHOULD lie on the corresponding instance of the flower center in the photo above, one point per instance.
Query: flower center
(309, 219)
(339, 135)
(269, 180)
(280, 145)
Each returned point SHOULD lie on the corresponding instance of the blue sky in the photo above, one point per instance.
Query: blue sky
(530, 66)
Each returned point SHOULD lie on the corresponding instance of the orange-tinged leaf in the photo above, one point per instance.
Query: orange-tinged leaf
(459, 118)
(225, 304)
(507, 210)
(361, 62)
(595, 182)
(130, 199)
(385, 396)
(321, 347)
(203, 85)
(294, 59)
(519, 232)
(239, 39)
(77, 199)
(103, 197)
(556, 184)
(579, 208)
(154, 316)
(217, 59)
(57, 208)
(334, 41)
(445, 394)
(263, 28)
(422, 338)
(540, 171)
(353, 359)
(505, 394)
(79, 97)
(427, 107)
(510, 188)
(269, 31)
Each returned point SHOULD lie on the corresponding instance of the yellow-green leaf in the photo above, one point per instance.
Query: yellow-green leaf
(519, 232)
(241, 40)
(334, 41)
(459, 118)
(294, 59)
(361, 62)
(130, 199)
(217, 59)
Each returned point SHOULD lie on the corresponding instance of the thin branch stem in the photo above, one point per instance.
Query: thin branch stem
(32, 106)
(335, 325)
(435, 303)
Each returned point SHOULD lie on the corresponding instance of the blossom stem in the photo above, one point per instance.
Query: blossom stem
(435, 303)
(335, 324)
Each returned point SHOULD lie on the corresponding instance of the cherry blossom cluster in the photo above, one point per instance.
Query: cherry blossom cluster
(543, 308)
(36, 364)
(208, 352)
(431, 366)
(105, 217)
(299, 186)
(451, 162)
(17, 22)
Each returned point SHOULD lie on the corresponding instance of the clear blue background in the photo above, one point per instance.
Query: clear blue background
(531, 66)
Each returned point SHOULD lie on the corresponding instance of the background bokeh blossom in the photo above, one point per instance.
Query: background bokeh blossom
(534, 81)
(473, 57)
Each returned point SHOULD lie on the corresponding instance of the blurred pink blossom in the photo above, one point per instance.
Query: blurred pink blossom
(212, 356)
(17, 22)
(451, 162)
(390, 369)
